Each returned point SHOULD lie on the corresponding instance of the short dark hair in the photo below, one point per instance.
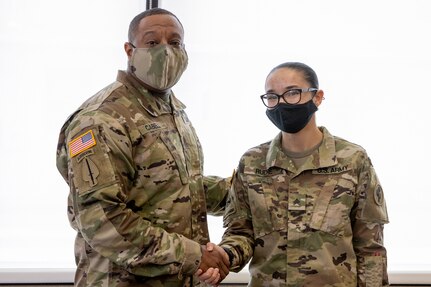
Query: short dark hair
(133, 27)
(309, 74)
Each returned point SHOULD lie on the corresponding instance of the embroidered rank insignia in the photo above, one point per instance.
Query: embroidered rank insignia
(81, 143)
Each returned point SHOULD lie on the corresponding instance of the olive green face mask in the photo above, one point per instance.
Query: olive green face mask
(159, 67)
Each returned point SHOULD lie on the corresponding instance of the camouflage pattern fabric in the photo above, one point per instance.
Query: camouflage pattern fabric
(317, 225)
(138, 199)
(160, 66)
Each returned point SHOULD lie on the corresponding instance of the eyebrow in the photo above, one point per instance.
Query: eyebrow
(285, 89)
(154, 33)
(175, 34)
(148, 33)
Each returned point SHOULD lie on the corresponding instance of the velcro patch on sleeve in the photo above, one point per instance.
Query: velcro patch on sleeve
(82, 143)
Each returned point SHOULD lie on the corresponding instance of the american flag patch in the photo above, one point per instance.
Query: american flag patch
(81, 143)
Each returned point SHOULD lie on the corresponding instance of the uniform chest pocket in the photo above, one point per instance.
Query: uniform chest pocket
(331, 211)
(157, 154)
(149, 133)
(267, 208)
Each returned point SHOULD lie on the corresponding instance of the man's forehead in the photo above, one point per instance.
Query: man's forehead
(160, 21)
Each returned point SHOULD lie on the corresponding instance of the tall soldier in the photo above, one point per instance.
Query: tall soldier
(138, 198)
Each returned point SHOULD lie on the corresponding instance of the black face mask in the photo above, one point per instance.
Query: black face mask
(291, 118)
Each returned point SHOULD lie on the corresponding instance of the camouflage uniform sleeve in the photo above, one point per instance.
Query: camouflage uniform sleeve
(368, 218)
(216, 191)
(238, 237)
(100, 180)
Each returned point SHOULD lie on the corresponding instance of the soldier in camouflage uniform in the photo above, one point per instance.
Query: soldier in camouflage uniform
(307, 207)
(138, 198)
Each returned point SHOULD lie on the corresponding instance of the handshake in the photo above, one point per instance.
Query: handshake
(214, 265)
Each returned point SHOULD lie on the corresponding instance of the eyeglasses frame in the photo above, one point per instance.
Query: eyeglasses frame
(300, 90)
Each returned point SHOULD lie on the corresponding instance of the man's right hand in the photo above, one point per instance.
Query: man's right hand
(216, 258)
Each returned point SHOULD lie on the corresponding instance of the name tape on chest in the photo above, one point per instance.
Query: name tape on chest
(151, 127)
(331, 170)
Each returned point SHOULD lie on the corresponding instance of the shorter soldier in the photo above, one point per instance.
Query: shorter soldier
(307, 206)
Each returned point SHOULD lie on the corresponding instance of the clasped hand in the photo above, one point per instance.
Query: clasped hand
(214, 264)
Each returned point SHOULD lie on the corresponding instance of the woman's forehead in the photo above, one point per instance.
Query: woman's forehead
(285, 76)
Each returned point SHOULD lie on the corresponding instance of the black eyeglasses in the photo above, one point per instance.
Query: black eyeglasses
(292, 96)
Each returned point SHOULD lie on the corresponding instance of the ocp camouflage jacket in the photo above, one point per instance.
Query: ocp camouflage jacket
(138, 198)
(319, 225)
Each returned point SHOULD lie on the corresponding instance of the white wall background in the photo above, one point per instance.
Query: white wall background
(373, 62)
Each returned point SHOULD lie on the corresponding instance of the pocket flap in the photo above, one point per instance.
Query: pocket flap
(322, 203)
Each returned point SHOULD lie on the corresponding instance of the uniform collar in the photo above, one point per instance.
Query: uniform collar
(152, 104)
(324, 156)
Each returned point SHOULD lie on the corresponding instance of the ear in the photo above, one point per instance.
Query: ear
(128, 49)
(318, 98)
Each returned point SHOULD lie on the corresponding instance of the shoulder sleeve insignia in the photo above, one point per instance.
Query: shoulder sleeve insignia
(90, 172)
(378, 195)
(81, 143)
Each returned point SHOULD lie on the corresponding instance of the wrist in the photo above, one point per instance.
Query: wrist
(230, 254)
(192, 256)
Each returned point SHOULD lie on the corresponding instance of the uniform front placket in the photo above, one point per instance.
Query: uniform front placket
(196, 227)
(179, 126)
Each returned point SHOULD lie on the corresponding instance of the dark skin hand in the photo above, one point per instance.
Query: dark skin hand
(214, 259)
